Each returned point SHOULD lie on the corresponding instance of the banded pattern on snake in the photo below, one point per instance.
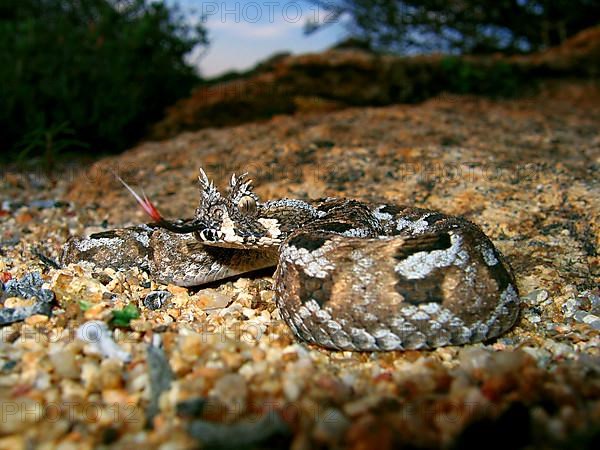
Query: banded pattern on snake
(350, 275)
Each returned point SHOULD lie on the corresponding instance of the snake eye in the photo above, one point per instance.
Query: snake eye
(247, 205)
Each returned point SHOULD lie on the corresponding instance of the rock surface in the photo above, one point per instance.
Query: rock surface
(525, 170)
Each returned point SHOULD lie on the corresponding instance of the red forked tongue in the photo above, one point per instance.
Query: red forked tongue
(144, 202)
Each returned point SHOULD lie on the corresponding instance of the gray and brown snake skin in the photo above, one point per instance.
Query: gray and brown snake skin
(350, 275)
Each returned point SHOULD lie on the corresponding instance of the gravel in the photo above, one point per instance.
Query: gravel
(217, 366)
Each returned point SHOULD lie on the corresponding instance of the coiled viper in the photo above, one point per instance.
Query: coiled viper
(350, 275)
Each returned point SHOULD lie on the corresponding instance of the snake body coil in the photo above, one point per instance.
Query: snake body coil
(350, 275)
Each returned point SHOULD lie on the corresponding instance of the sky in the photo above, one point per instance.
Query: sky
(244, 32)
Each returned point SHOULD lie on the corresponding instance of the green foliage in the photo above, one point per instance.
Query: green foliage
(88, 74)
(496, 79)
(122, 317)
(465, 26)
(84, 306)
(48, 144)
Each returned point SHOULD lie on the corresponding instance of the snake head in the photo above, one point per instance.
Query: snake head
(232, 220)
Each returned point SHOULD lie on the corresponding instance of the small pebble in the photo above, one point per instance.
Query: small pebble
(231, 390)
(160, 375)
(532, 317)
(536, 297)
(97, 333)
(570, 307)
(587, 318)
(156, 299)
(64, 361)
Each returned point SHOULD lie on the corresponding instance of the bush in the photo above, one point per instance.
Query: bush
(88, 74)
(496, 79)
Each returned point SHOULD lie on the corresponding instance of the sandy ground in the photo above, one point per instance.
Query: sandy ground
(218, 366)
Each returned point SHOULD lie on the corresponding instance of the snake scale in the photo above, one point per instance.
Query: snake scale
(350, 275)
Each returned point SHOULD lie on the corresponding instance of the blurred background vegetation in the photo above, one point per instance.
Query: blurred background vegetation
(88, 74)
(461, 26)
(92, 76)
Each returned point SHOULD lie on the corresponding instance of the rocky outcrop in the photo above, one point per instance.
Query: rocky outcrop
(339, 78)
